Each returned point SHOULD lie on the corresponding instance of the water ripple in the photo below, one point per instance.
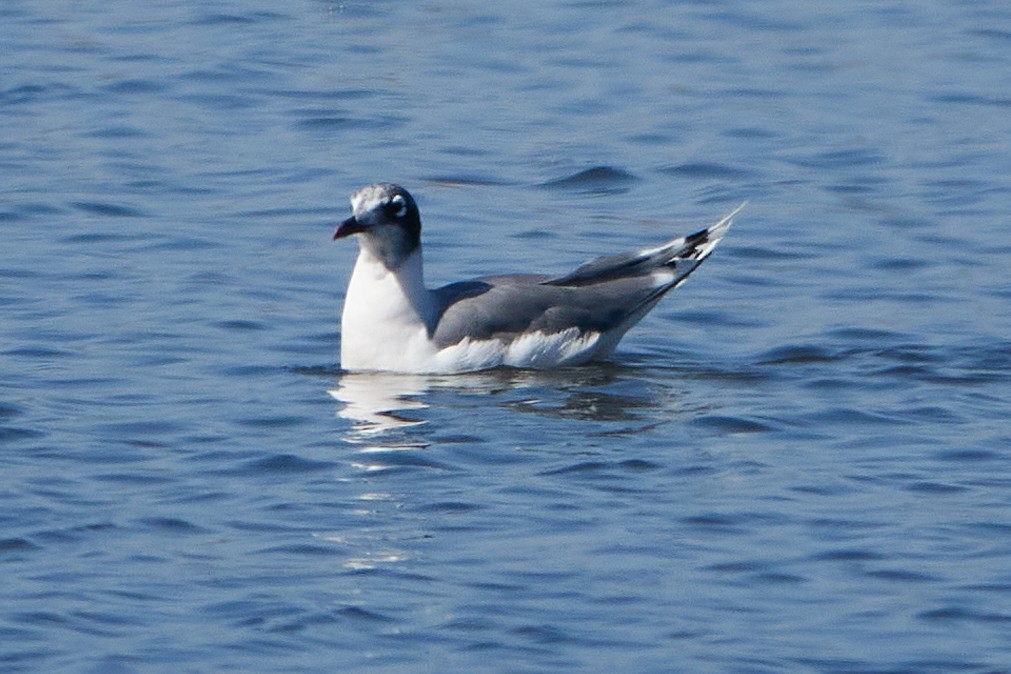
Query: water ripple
(798, 462)
(706, 171)
(596, 180)
(108, 209)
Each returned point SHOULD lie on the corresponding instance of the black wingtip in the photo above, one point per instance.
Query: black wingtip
(698, 238)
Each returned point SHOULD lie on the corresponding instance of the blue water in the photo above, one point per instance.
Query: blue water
(800, 462)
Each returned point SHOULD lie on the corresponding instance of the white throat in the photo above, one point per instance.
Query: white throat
(388, 315)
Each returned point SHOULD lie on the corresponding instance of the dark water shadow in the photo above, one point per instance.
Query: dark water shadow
(595, 180)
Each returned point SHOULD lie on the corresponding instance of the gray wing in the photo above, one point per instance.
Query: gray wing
(601, 295)
(502, 307)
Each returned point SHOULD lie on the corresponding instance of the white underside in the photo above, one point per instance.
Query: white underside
(532, 350)
(385, 326)
(416, 354)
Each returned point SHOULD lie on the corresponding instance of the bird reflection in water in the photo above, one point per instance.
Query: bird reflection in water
(380, 403)
(376, 402)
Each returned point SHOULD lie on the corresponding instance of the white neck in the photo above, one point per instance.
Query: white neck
(388, 314)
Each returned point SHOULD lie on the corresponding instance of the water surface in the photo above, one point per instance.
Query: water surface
(798, 462)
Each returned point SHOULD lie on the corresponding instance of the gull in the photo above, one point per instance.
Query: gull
(391, 322)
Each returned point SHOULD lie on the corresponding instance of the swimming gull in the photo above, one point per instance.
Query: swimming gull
(392, 322)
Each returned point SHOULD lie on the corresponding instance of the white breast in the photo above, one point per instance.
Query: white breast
(386, 316)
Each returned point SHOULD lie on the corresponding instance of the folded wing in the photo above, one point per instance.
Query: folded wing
(608, 294)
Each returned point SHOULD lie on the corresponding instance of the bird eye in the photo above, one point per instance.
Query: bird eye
(399, 206)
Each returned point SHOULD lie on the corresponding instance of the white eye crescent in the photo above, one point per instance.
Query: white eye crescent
(401, 204)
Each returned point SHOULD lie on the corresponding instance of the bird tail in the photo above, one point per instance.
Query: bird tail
(700, 245)
(674, 259)
(685, 254)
